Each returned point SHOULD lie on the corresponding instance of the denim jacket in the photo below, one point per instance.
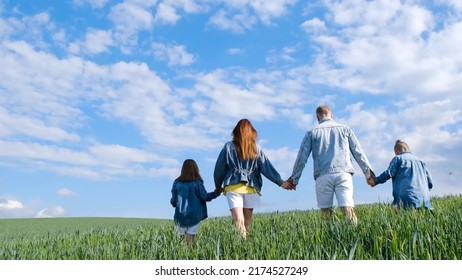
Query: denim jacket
(229, 169)
(332, 145)
(411, 181)
(189, 200)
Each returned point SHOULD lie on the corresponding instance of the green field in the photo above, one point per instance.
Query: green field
(380, 235)
(40, 227)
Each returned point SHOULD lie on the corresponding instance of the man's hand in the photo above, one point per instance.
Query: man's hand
(289, 185)
(370, 180)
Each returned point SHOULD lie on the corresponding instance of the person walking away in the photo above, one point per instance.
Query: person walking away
(410, 178)
(239, 169)
(332, 146)
(189, 198)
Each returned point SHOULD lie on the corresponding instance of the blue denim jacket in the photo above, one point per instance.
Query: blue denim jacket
(189, 200)
(411, 181)
(229, 169)
(332, 145)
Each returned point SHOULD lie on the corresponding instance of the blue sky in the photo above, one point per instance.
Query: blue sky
(101, 101)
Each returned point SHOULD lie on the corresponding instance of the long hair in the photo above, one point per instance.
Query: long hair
(245, 139)
(190, 172)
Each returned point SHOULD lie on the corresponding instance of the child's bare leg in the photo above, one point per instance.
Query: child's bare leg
(189, 239)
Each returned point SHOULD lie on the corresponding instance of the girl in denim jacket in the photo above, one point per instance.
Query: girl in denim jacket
(189, 198)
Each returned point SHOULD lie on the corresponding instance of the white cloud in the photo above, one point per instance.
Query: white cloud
(12, 124)
(46, 100)
(8, 204)
(66, 192)
(129, 18)
(99, 162)
(393, 47)
(98, 41)
(190, 6)
(239, 16)
(235, 51)
(44, 152)
(11, 207)
(284, 55)
(166, 14)
(258, 99)
(34, 28)
(168, 11)
(314, 25)
(57, 211)
(117, 155)
(267, 10)
(282, 159)
(93, 3)
(346, 13)
(173, 54)
(456, 4)
(38, 90)
(59, 36)
(238, 23)
(377, 119)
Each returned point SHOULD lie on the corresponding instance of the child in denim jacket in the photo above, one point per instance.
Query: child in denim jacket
(411, 179)
(189, 198)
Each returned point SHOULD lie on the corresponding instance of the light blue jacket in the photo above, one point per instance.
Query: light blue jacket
(229, 169)
(411, 181)
(332, 145)
(189, 200)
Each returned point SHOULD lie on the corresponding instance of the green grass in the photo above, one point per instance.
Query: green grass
(45, 226)
(380, 235)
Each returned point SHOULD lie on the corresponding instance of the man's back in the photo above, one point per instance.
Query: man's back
(330, 142)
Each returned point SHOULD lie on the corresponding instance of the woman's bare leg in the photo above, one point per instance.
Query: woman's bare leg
(248, 212)
(239, 220)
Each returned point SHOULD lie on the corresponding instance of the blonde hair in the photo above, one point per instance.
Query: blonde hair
(401, 146)
(245, 139)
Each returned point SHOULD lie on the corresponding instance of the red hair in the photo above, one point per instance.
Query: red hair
(245, 139)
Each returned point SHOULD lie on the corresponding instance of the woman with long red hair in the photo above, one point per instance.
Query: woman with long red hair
(238, 169)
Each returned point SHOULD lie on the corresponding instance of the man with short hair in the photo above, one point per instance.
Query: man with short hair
(331, 145)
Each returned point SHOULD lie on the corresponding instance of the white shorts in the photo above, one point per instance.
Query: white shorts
(192, 230)
(340, 184)
(244, 200)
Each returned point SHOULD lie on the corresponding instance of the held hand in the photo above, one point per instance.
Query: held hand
(288, 185)
(291, 182)
(218, 190)
(285, 185)
(370, 182)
